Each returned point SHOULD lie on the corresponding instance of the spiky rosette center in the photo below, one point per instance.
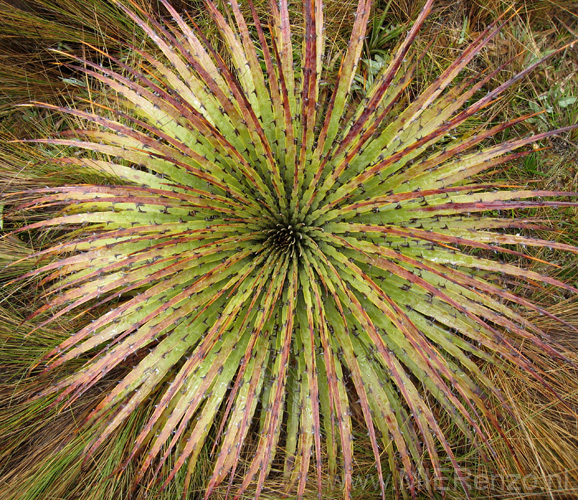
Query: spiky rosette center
(285, 237)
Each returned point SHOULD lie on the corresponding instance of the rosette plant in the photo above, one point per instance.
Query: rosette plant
(265, 251)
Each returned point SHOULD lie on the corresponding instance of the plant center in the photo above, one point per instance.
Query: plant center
(285, 237)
